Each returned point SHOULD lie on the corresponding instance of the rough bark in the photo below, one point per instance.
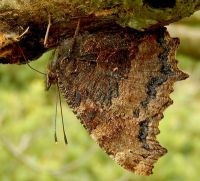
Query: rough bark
(18, 15)
(193, 20)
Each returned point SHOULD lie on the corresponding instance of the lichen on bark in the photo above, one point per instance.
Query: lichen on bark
(17, 15)
(137, 14)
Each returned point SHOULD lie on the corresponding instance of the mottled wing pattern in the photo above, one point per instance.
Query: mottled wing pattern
(118, 83)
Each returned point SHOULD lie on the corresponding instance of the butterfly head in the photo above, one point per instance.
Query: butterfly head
(51, 76)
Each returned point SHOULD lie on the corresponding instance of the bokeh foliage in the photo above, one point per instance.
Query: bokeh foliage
(27, 147)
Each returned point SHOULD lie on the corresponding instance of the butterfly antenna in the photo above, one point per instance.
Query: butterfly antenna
(63, 125)
(27, 62)
(55, 121)
(35, 69)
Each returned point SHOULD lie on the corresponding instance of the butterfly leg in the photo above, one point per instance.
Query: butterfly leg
(75, 36)
(47, 32)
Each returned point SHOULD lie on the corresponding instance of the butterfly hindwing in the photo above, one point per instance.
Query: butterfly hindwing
(118, 83)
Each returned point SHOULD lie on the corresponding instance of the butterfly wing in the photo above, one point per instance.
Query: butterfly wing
(118, 83)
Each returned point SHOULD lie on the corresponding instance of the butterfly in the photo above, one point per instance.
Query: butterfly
(117, 81)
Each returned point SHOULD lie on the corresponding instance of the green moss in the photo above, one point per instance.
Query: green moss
(138, 14)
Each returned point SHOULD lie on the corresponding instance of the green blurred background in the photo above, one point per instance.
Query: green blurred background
(27, 148)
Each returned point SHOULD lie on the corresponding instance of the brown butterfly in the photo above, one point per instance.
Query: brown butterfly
(118, 81)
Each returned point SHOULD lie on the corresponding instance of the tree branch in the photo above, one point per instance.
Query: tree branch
(18, 15)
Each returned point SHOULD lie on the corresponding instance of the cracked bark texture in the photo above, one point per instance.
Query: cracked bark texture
(17, 15)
